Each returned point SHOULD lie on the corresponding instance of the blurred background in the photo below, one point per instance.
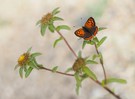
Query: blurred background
(18, 32)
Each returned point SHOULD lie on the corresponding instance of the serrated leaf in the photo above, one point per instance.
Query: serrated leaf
(33, 55)
(57, 19)
(54, 69)
(28, 51)
(55, 11)
(65, 27)
(114, 80)
(28, 72)
(51, 28)
(56, 42)
(91, 62)
(21, 72)
(101, 28)
(101, 41)
(87, 71)
(43, 29)
(78, 82)
(80, 54)
(84, 43)
(38, 22)
(69, 69)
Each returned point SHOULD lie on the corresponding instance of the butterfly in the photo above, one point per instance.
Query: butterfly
(88, 31)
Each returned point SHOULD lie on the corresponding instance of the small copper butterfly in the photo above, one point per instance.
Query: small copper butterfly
(88, 31)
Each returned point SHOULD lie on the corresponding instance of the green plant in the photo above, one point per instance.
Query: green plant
(27, 61)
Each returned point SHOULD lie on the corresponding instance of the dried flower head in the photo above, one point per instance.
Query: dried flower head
(78, 64)
(46, 18)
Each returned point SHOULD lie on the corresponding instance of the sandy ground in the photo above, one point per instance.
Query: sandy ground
(18, 32)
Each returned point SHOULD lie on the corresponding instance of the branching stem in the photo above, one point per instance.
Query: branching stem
(96, 81)
(101, 62)
(67, 44)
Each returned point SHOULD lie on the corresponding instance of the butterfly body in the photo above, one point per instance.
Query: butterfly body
(88, 31)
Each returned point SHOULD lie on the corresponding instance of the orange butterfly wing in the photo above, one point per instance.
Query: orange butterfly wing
(80, 33)
(95, 30)
(90, 23)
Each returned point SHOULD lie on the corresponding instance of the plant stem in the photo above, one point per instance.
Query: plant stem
(101, 62)
(106, 88)
(96, 81)
(67, 44)
(41, 67)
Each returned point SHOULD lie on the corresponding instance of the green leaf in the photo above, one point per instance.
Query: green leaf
(51, 28)
(91, 42)
(101, 28)
(54, 69)
(80, 54)
(21, 72)
(78, 82)
(38, 65)
(28, 51)
(95, 56)
(28, 72)
(91, 62)
(95, 39)
(84, 43)
(33, 55)
(33, 64)
(38, 22)
(100, 56)
(56, 41)
(69, 69)
(87, 71)
(16, 66)
(84, 76)
(65, 27)
(43, 29)
(101, 41)
(114, 80)
(25, 68)
(55, 11)
(57, 19)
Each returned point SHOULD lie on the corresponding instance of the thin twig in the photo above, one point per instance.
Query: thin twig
(106, 88)
(101, 62)
(96, 81)
(41, 67)
(67, 44)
